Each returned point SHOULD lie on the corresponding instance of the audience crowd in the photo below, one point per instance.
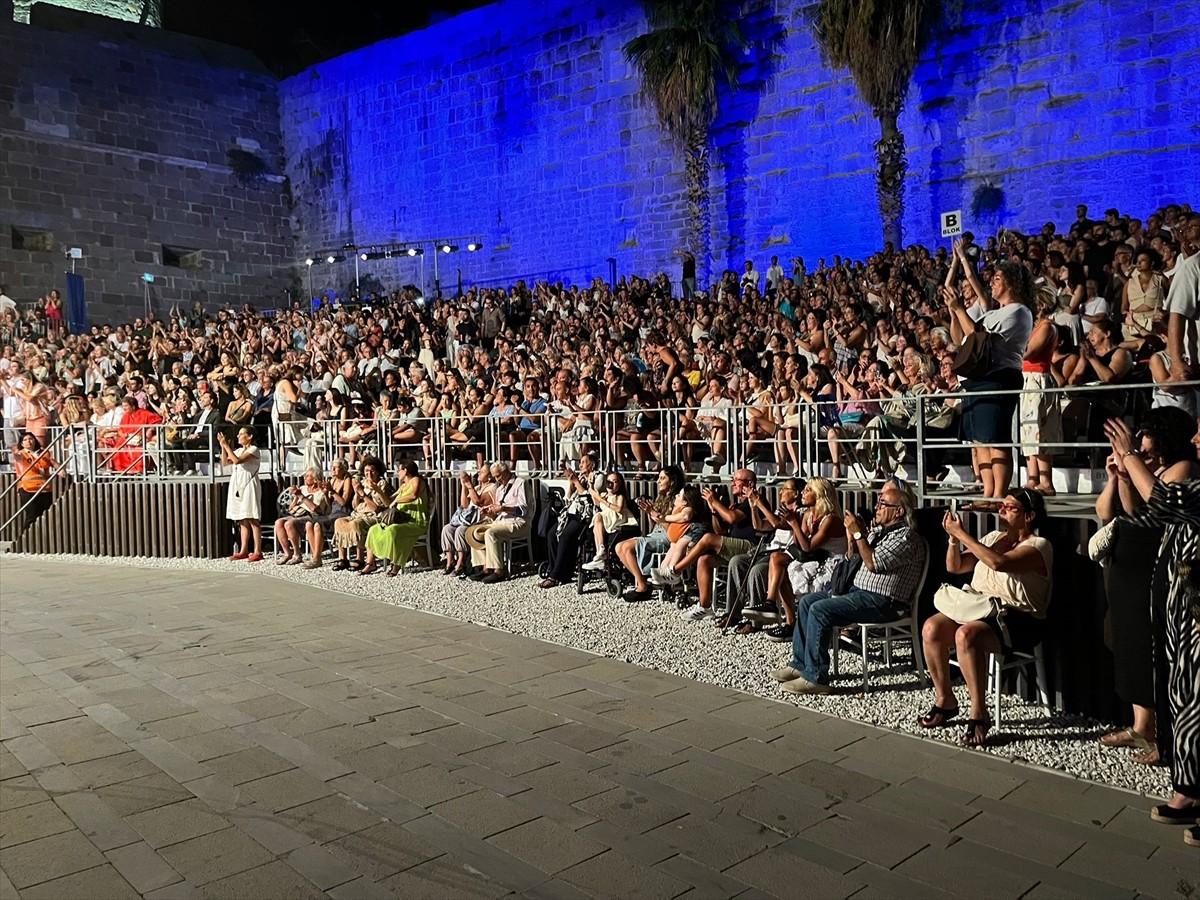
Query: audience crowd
(739, 375)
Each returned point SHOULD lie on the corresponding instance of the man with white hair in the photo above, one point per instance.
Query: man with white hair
(510, 521)
(891, 558)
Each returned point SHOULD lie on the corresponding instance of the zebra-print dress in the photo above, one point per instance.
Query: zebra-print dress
(1177, 507)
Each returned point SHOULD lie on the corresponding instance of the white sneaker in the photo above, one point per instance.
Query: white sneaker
(664, 577)
(787, 673)
(596, 565)
(696, 614)
(714, 461)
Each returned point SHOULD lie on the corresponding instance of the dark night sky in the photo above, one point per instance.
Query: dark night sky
(289, 35)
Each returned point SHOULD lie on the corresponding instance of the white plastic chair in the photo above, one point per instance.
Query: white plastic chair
(903, 629)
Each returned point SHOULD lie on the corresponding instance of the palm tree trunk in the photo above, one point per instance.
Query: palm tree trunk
(696, 174)
(889, 177)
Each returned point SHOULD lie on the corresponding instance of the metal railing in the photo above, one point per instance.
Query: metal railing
(916, 434)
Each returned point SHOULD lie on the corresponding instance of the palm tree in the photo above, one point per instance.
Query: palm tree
(683, 59)
(880, 41)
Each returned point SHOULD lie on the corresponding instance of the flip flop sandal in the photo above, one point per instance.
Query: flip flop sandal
(976, 733)
(1126, 737)
(1153, 758)
(937, 716)
(747, 628)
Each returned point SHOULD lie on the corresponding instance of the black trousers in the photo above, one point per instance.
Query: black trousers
(564, 550)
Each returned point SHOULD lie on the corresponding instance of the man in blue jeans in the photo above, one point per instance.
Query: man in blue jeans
(893, 557)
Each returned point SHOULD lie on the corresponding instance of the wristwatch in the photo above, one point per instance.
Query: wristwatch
(857, 535)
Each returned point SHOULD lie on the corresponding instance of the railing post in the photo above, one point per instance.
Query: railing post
(920, 449)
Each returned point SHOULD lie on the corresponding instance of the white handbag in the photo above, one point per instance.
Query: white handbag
(964, 605)
(1100, 547)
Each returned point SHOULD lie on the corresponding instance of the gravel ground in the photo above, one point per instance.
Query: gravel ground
(652, 635)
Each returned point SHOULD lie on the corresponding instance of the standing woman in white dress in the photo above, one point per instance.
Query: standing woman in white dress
(284, 416)
(244, 505)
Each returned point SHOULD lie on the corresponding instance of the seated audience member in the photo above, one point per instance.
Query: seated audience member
(636, 554)
(340, 490)
(408, 513)
(562, 544)
(372, 495)
(510, 520)
(195, 437)
(1014, 567)
(819, 543)
(473, 498)
(308, 499)
(749, 572)
(891, 558)
(736, 527)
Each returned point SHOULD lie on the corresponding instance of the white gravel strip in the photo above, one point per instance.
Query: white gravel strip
(652, 635)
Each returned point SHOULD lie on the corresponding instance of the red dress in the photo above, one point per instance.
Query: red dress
(133, 433)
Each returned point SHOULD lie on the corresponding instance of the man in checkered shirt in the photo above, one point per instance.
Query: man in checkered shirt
(893, 557)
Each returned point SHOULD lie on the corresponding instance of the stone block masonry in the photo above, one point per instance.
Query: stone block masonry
(522, 123)
(122, 150)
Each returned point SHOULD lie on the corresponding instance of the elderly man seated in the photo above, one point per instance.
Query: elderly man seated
(891, 558)
(509, 516)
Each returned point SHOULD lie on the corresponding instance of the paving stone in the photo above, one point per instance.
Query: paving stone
(20, 791)
(566, 782)
(97, 820)
(270, 705)
(545, 846)
(1043, 845)
(28, 823)
(885, 883)
(531, 720)
(429, 785)
(285, 790)
(483, 702)
(211, 744)
(1089, 805)
(31, 753)
(215, 856)
(184, 726)
(360, 889)
(639, 847)
(921, 803)
(102, 881)
(1154, 877)
(144, 869)
(705, 783)
(116, 769)
(171, 759)
(630, 809)
(443, 879)
(383, 850)
(508, 759)
(140, 794)
(779, 810)
(962, 875)
(459, 738)
(78, 740)
(178, 822)
(320, 867)
(725, 840)
(413, 721)
(51, 857)
(709, 883)
(343, 740)
(247, 765)
(483, 813)
(612, 875)
(634, 758)
(275, 879)
(300, 722)
(779, 873)
(329, 818)
(835, 781)
(10, 766)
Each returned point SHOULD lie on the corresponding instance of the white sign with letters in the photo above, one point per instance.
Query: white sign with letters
(952, 223)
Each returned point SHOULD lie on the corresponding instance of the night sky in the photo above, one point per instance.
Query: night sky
(289, 35)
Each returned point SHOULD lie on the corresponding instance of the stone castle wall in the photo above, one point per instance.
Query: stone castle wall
(147, 12)
(520, 123)
(110, 144)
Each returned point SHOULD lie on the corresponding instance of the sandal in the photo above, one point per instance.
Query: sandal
(746, 628)
(937, 716)
(982, 506)
(367, 570)
(341, 565)
(1126, 737)
(1191, 836)
(976, 733)
(1152, 758)
(283, 560)
(393, 571)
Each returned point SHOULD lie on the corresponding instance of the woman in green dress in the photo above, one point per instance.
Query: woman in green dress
(395, 542)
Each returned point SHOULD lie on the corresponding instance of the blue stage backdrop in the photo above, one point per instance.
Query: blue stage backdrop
(521, 122)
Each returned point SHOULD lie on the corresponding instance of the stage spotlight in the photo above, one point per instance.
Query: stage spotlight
(334, 258)
(309, 261)
(373, 254)
(415, 251)
(474, 245)
(448, 248)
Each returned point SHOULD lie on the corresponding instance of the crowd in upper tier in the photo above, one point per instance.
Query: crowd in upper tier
(568, 368)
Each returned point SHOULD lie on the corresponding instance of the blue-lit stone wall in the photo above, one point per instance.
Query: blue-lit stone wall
(520, 123)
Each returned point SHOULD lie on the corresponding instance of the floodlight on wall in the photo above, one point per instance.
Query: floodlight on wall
(474, 245)
(415, 251)
(309, 261)
(373, 254)
(448, 248)
(335, 258)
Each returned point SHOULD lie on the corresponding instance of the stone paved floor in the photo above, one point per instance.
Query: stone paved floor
(211, 735)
